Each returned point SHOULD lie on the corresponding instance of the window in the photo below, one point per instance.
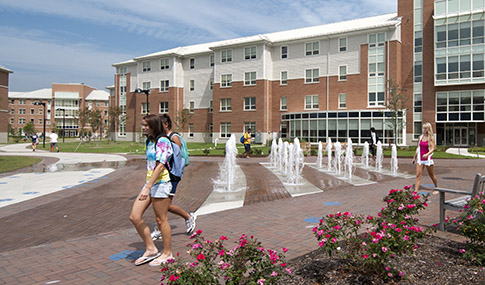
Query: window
(106, 103)
(225, 104)
(163, 107)
(106, 112)
(40, 121)
(40, 111)
(249, 103)
(250, 78)
(211, 84)
(191, 106)
(311, 102)
(98, 104)
(144, 108)
(284, 78)
(192, 85)
(342, 73)
(12, 101)
(21, 101)
(311, 75)
(21, 111)
(164, 85)
(226, 55)
(12, 121)
(146, 85)
(32, 121)
(192, 63)
(252, 126)
(122, 70)
(225, 130)
(32, 111)
(312, 48)
(191, 130)
(284, 52)
(211, 104)
(376, 98)
(12, 111)
(249, 53)
(226, 80)
(210, 130)
(342, 44)
(377, 40)
(146, 66)
(211, 60)
(283, 106)
(342, 100)
(164, 63)
(21, 121)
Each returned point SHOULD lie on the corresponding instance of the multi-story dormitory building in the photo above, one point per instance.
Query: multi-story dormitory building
(4, 74)
(323, 81)
(69, 97)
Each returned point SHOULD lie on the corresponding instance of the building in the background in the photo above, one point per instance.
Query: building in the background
(63, 103)
(4, 74)
(332, 80)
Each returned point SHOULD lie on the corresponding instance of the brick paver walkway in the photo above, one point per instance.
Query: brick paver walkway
(83, 235)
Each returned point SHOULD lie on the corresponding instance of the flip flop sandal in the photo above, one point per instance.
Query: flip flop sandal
(145, 259)
(158, 262)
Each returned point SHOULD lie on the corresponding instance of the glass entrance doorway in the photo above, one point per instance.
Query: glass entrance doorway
(460, 136)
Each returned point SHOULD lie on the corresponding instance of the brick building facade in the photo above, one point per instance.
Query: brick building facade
(4, 74)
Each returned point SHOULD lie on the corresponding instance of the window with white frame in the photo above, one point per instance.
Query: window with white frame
(249, 103)
(211, 60)
(40, 121)
(163, 107)
(21, 101)
(106, 112)
(12, 101)
(284, 52)
(225, 129)
(21, 121)
(191, 130)
(311, 75)
(211, 104)
(164, 63)
(21, 111)
(40, 111)
(144, 108)
(342, 72)
(311, 102)
(122, 70)
(225, 104)
(192, 63)
(250, 78)
(106, 103)
(12, 121)
(191, 106)
(210, 130)
(376, 77)
(192, 85)
(12, 111)
(342, 101)
(312, 48)
(284, 78)
(252, 126)
(211, 84)
(226, 80)
(283, 105)
(146, 85)
(98, 104)
(250, 53)
(146, 66)
(32, 121)
(226, 55)
(164, 85)
(342, 44)
(32, 111)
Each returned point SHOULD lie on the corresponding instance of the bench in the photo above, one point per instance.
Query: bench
(459, 203)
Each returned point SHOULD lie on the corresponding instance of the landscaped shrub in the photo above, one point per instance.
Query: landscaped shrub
(471, 224)
(206, 151)
(245, 263)
(394, 231)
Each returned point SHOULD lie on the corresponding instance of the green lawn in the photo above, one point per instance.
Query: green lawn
(10, 163)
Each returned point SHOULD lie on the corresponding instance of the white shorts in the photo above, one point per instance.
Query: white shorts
(161, 190)
(426, 162)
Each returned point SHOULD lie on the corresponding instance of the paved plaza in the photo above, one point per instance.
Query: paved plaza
(81, 234)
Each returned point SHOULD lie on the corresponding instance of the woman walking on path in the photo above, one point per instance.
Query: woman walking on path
(157, 187)
(189, 218)
(424, 153)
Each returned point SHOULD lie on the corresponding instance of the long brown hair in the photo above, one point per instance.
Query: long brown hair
(165, 119)
(153, 121)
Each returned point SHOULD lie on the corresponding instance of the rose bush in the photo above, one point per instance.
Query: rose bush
(245, 263)
(370, 242)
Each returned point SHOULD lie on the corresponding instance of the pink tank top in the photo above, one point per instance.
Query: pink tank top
(423, 149)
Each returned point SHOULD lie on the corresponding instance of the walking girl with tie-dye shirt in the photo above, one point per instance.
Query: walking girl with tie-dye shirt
(156, 190)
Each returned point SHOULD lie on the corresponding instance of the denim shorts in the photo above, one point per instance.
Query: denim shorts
(174, 188)
(161, 190)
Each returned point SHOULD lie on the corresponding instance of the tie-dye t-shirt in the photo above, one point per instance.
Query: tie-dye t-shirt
(161, 153)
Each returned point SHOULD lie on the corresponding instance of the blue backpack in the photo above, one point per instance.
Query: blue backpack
(183, 148)
(242, 139)
(176, 162)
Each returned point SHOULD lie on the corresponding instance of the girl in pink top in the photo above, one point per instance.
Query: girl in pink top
(423, 154)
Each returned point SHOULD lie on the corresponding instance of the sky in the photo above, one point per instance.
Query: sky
(77, 41)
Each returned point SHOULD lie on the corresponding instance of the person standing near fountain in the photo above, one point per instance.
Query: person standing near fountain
(158, 187)
(424, 151)
(374, 138)
(247, 143)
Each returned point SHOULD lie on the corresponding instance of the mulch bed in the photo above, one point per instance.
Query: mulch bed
(436, 261)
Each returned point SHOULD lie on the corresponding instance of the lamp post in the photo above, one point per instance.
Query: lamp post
(147, 92)
(63, 122)
(43, 135)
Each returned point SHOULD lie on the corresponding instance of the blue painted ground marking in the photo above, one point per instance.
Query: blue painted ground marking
(127, 254)
(135, 254)
(30, 193)
(332, 203)
(82, 181)
(312, 220)
(14, 177)
(66, 187)
(6, 200)
(423, 193)
(104, 177)
(428, 185)
(3, 182)
(88, 174)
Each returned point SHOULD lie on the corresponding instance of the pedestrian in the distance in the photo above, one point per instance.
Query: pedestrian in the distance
(247, 143)
(35, 141)
(374, 138)
(53, 137)
(423, 156)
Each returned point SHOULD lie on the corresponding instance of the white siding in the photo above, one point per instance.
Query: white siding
(201, 74)
(239, 65)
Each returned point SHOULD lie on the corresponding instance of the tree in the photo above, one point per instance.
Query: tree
(114, 114)
(29, 128)
(95, 120)
(182, 119)
(396, 103)
(82, 120)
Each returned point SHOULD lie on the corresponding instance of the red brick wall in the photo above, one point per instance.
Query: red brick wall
(4, 116)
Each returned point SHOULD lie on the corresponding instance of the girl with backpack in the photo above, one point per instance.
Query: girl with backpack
(189, 218)
(156, 190)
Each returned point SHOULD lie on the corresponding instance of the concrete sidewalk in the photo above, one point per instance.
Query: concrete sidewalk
(463, 151)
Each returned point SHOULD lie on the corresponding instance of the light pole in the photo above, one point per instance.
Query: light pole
(63, 122)
(43, 135)
(147, 92)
